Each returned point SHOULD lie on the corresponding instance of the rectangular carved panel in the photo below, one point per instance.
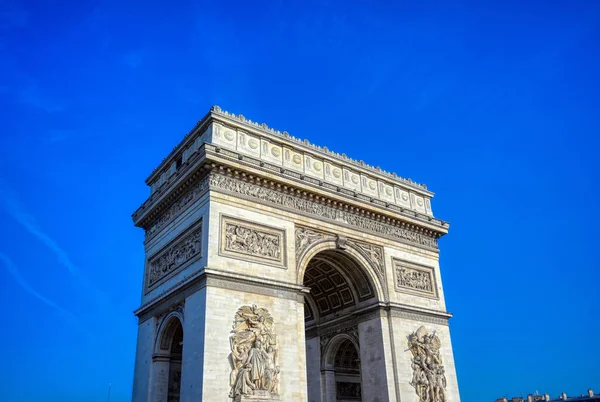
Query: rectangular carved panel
(414, 278)
(171, 258)
(252, 242)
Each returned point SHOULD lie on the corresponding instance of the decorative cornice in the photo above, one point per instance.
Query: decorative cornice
(161, 204)
(419, 314)
(216, 111)
(202, 123)
(221, 156)
(305, 143)
(225, 282)
(218, 278)
(378, 310)
(267, 191)
(175, 195)
(297, 201)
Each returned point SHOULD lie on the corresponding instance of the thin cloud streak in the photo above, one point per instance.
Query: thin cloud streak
(16, 211)
(16, 274)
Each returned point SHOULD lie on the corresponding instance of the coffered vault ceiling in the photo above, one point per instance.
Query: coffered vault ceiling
(336, 282)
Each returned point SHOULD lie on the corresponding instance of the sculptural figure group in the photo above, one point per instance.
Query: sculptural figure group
(250, 241)
(253, 354)
(429, 379)
(414, 279)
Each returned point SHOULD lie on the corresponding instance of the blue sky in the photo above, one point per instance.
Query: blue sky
(494, 105)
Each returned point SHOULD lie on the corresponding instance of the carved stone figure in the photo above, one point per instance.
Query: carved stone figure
(374, 253)
(304, 238)
(414, 279)
(175, 256)
(250, 241)
(253, 354)
(429, 379)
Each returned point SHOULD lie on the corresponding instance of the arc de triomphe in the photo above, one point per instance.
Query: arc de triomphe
(277, 270)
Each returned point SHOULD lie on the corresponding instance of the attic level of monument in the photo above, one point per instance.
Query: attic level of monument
(270, 146)
(225, 142)
(282, 137)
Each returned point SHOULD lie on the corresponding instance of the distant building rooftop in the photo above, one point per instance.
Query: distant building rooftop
(561, 398)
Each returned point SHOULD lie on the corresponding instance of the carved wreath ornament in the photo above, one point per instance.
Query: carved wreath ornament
(253, 354)
(429, 378)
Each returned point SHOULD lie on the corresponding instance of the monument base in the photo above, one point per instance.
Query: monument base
(258, 396)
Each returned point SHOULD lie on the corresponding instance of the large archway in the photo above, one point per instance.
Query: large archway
(340, 285)
(167, 359)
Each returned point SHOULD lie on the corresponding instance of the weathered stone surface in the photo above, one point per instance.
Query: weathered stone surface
(335, 256)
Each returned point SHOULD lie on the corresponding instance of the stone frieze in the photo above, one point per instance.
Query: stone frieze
(308, 206)
(249, 240)
(174, 256)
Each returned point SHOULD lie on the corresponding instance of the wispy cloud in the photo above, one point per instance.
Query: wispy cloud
(33, 97)
(16, 211)
(16, 274)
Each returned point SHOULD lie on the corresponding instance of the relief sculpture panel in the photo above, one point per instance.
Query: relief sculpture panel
(254, 362)
(415, 279)
(429, 376)
(304, 238)
(174, 256)
(374, 254)
(250, 241)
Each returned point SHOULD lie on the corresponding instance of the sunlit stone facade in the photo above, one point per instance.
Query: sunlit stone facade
(277, 270)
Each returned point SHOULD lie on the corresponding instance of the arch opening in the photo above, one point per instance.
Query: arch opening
(167, 360)
(339, 283)
(175, 364)
(346, 366)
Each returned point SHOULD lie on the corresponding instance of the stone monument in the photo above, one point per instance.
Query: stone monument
(277, 270)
